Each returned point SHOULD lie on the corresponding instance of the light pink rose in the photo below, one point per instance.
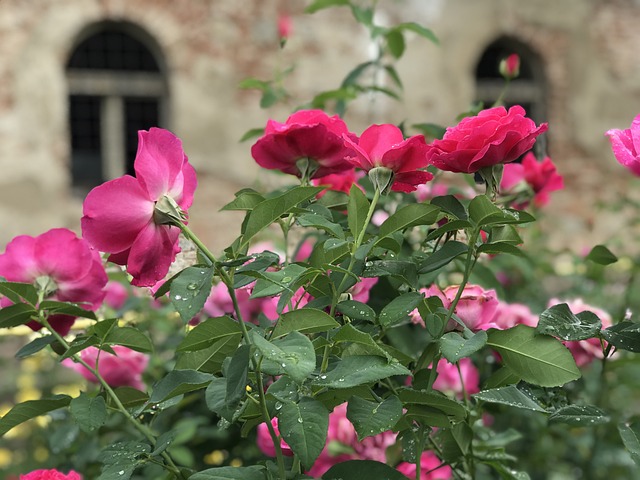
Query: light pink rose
(219, 303)
(509, 315)
(360, 291)
(385, 146)
(121, 370)
(70, 268)
(626, 145)
(116, 295)
(476, 307)
(52, 474)
(585, 351)
(120, 217)
(492, 137)
(270, 305)
(541, 177)
(309, 134)
(431, 468)
(448, 379)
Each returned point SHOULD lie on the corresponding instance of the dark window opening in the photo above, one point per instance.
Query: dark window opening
(116, 87)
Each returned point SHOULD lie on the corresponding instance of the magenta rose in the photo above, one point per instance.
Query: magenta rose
(307, 134)
(124, 369)
(626, 145)
(60, 263)
(340, 182)
(120, 216)
(539, 177)
(492, 137)
(52, 474)
(431, 468)
(385, 146)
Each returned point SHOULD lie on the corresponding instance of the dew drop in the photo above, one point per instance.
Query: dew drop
(278, 405)
(299, 419)
(192, 286)
(178, 297)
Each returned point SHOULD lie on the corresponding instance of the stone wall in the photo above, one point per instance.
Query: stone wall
(588, 49)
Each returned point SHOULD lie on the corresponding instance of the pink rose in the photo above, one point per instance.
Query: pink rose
(360, 291)
(492, 137)
(52, 474)
(121, 370)
(62, 264)
(116, 295)
(265, 444)
(540, 177)
(219, 303)
(285, 25)
(585, 351)
(431, 468)
(120, 216)
(509, 315)
(385, 146)
(510, 67)
(626, 145)
(340, 182)
(448, 379)
(307, 134)
(476, 307)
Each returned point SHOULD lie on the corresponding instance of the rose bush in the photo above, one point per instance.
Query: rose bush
(383, 335)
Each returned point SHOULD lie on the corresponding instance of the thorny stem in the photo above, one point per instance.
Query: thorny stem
(143, 429)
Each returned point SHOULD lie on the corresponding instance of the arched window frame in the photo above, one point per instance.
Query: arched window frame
(529, 88)
(113, 87)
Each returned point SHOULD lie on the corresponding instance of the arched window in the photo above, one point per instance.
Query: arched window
(528, 90)
(116, 87)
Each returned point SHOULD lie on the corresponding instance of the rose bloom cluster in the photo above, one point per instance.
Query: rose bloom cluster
(342, 444)
(52, 474)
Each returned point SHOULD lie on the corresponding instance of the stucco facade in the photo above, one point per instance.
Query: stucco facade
(206, 47)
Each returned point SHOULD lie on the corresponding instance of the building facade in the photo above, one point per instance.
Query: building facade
(79, 77)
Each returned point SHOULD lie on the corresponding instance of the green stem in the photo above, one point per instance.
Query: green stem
(187, 232)
(143, 429)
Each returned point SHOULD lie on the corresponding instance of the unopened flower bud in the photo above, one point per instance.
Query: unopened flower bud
(284, 28)
(510, 67)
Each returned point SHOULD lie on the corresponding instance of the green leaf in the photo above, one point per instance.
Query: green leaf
(89, 412)
(357, 210)
(443, 256)
(19, 292)
(359, 469)
(408, 216)
(129, 397)
(601, 255)
(303, 426)
(322, 4)
(293, 354)
(630, 434)
(237, 374)
(559, 321)
(30, 409)
(216, 398)
(511, 396)
(420, 30)
(246, 199)
(399, 308)
(500, 247)
(393, 73)
(395, 42)
(209, 359)
(454, 346)
(209, 332)
(267, 212)
(451, 205)
(251, 133)
(579, 416)
(483, 212)
(624, 335)
(372, 418)
(63, 308)
(35, 346)
(320, 222)
(16, 314)
(356, 310)
(121, 459)
(189, 291)
(253, 472)
(304, 320)
(179, 382)
(273, 283)
(402, 270)
(129, 337)
(349, 333)
(435, 400)
(358, 370)
(537, 359)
